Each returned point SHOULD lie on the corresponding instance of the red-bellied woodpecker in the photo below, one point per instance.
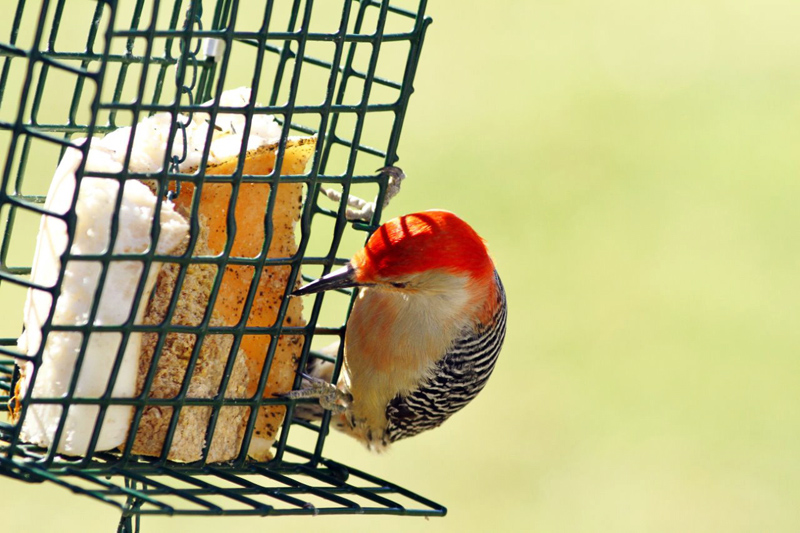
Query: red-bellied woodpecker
(424, 333)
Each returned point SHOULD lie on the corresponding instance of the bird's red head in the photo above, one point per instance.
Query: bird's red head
(430, 240)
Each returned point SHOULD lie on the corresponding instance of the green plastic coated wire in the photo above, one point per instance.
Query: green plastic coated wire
(173, 55)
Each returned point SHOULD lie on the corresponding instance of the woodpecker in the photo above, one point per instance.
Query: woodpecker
(424, 333)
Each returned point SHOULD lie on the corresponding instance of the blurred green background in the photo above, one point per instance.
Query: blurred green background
(634, 168)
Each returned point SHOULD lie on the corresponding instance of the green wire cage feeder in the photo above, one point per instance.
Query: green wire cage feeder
(337, 73)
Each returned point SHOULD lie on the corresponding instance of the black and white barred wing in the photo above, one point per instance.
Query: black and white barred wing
(459, 376)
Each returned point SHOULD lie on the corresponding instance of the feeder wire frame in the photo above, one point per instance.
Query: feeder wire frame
(296, 481)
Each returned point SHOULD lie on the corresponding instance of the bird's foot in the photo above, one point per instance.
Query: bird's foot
(330, 397)
(358, 209)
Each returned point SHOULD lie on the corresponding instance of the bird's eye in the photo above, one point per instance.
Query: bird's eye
(399, 285)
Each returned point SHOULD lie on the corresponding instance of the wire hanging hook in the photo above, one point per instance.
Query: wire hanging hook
(186, 89)
(130, 521)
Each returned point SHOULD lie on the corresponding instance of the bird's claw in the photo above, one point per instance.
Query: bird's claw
(330, 397)
(358, 209)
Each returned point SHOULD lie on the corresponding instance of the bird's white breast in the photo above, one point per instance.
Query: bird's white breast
(395, 337)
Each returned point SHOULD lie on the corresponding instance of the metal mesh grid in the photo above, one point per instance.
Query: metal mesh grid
(297, 487)
(320, 69)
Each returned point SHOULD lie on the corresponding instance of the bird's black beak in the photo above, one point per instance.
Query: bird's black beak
(339, 279)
